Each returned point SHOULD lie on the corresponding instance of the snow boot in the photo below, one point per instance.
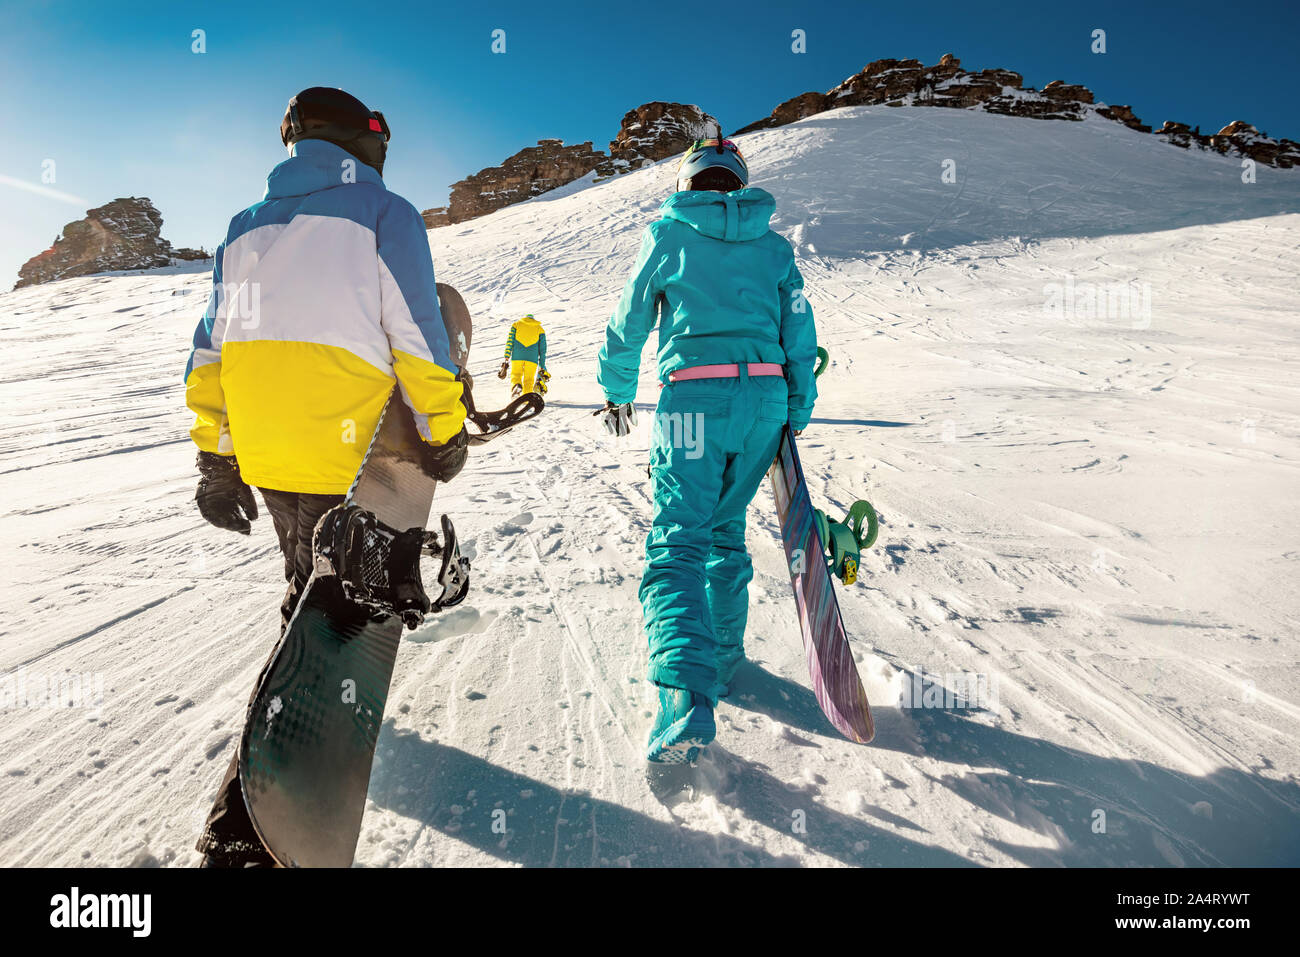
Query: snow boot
(682, 728)
(730, 658)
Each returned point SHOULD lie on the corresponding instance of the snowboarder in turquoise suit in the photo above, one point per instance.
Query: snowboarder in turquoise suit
(737, 348)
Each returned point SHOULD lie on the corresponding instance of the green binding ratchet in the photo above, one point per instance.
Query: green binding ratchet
(845, 541)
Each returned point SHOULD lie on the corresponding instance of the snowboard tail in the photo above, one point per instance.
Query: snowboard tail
(834, 675)
(308, 745)
(309, 740)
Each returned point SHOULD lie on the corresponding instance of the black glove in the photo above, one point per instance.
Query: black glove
(442, 463)
(504, 370)
(223, 498)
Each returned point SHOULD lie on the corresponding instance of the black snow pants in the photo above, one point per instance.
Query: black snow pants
(228, 838)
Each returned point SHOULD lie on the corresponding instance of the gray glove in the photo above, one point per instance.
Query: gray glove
(618, 419)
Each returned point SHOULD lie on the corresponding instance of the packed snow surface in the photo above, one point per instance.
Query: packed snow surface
(1067, 379)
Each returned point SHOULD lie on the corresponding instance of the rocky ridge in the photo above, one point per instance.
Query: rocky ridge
(658, 130)
(946, 84)
(122, 235)
(651, 132)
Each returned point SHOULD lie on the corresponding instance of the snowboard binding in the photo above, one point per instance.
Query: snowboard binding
(845, 541)
(378, 567)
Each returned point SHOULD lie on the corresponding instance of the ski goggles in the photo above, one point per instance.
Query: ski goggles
(719, 145)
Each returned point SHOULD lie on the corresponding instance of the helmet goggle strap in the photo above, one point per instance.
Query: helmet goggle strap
(715, 141)
(295, 119)
(376, 123)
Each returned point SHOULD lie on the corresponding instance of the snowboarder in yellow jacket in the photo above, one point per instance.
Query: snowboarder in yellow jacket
(323, 301)
(525, 358)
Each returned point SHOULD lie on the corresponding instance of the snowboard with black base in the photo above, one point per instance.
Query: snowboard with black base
(310, 733)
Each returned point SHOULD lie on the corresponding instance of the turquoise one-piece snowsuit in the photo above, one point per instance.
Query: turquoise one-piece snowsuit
(725, 289)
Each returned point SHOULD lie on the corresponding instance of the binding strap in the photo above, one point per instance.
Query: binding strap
(845, 541)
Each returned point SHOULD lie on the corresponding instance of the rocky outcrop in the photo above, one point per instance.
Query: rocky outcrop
(651, 132)
(1238, 138)
(1243, 139)
(121, 235)
(530, 172)
(946, 84)
(805, 104)
(1067, 92)
(1182, 135)
(1035, 107)
(909, 83)
(1125, 115)
(655, 131)
(436, 216)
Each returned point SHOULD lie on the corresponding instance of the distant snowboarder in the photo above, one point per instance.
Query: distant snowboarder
(322, 295)
(737, 349)
(525, 358)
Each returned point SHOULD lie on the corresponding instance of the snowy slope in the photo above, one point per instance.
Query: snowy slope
(1096, 514)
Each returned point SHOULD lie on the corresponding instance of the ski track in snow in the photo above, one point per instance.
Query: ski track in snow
(1096, 514)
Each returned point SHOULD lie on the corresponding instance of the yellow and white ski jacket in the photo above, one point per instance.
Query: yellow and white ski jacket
(323, 297)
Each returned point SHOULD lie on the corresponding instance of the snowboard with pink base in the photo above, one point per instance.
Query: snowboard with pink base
(834, 675)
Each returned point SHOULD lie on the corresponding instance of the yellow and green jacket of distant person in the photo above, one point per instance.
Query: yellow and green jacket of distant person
(527, 342)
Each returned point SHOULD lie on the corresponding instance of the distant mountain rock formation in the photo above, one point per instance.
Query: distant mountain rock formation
(1237, 137)
(651, 132)
(121, 235)
(946, 84)
(530, 172)
(655, 131)
(908, 83)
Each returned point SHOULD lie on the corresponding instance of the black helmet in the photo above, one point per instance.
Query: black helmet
(324, 113)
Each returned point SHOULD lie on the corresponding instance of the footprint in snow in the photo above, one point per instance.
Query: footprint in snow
(217, 746)
(514, 527)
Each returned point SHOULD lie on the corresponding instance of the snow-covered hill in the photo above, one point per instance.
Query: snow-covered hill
(1093, 509)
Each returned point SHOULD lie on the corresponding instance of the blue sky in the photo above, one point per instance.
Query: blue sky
(113, 94)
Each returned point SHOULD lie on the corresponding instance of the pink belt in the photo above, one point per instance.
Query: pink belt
(728, 370)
